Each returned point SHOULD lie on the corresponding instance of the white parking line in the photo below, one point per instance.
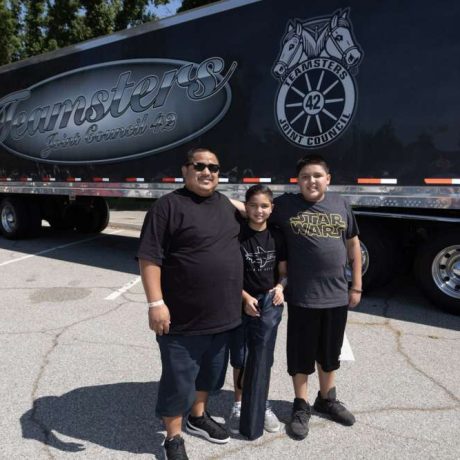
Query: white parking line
(346, 353)
(123, 289)
(45, 251)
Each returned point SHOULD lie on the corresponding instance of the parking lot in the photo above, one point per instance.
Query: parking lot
(80, 368)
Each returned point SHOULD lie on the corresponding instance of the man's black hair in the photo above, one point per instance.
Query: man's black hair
(259, 188)
(312, 159)
(191, 153)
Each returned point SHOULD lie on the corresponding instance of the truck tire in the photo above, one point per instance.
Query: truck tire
(19, 218)
(92, 216)
(379, 249)
(437, 271)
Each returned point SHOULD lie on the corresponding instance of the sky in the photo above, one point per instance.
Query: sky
(167, 10)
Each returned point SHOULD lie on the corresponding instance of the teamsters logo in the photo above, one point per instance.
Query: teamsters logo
(317, 96)
(115, 111)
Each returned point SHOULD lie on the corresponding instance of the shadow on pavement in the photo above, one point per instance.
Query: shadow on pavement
(119, 416)
(110, 252)
(402, 300)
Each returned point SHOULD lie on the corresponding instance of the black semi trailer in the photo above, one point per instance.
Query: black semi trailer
(372, 86)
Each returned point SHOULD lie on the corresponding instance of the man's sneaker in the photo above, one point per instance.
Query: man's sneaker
(235, 416)
(271, 422)
(297, 427)
(174, 448)
(334, 408)
(207, 428)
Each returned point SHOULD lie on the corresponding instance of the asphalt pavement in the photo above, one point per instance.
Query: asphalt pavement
(80, 368)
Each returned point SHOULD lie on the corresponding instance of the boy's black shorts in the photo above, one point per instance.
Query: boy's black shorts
(314, 334)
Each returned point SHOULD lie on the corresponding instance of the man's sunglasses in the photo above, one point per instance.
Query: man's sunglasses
(213, 168)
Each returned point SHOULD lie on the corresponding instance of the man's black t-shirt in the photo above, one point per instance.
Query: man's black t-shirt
(195, 242)
(261, 253)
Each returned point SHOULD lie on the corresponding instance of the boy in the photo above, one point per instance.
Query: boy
(320, 233)
(264, 279)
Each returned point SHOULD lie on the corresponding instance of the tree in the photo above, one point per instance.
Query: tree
(98, 18)
(34, 23)
(132, 13)
(8, 40)
(30, 27)
(64, 25)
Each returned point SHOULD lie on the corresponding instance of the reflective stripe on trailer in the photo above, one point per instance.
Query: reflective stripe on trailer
(172, 179)
(256, 180)
(134, 179)
(48, 179)
(374, 181)
(5, 179)
(101, 179)
(440, 181)
(73, 179)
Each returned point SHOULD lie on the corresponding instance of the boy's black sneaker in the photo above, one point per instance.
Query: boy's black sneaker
(175, 449)
(334, 408)
(297, 426)
(207, 428)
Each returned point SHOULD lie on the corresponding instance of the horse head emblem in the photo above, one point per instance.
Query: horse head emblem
(316, 65)
(292, 49)
(340, 43)
(330, 37)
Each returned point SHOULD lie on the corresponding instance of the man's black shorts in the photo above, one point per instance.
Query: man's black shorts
(189, 364)
(314, 334)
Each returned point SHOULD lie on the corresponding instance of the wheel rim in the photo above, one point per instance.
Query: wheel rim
(8, 218)
(446, 271)
(365, 260)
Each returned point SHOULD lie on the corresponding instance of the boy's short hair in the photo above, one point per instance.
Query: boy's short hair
(259, 188)
(312, 159)
(191, 154)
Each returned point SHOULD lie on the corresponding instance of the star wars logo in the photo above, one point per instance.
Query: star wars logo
(318, 224)
(316, 64)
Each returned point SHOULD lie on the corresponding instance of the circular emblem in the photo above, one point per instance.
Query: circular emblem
(315, 102)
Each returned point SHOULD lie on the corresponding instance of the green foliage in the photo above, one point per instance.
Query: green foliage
(132, 13)
(33, 39)
(30, 27)
(8, 40)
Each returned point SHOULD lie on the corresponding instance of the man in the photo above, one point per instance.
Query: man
(192, 273)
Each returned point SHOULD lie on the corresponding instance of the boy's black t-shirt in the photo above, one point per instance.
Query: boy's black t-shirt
(195, 242)
(261, 253)
(315, 235)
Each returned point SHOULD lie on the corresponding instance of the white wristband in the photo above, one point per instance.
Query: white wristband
(156, 303)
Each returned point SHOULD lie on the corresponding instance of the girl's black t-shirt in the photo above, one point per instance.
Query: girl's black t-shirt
(195, 242)
(261, 253)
